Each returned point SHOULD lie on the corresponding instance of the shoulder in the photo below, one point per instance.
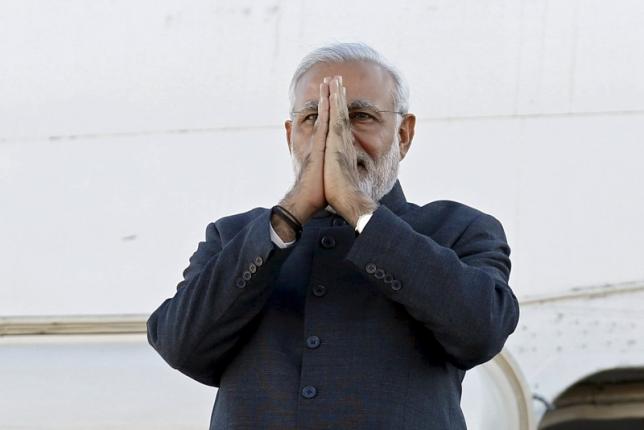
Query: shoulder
(447, 220)
(228, 226)
(444, 210)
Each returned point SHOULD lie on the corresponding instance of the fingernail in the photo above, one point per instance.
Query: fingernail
(326, 80)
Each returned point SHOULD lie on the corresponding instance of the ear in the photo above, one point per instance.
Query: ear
(406, 133)
(288, 127)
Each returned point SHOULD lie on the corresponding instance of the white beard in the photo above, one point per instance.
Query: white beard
(380, 175)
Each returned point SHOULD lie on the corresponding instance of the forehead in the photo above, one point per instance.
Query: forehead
(363, 80)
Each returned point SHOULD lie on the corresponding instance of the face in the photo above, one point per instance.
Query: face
(381, 139)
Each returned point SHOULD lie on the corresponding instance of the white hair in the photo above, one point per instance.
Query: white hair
(353, 51)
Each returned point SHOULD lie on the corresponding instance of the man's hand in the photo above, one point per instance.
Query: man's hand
(307, 195)
(329, 172)
(341, 176)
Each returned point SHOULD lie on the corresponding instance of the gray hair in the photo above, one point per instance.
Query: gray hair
(354, 51)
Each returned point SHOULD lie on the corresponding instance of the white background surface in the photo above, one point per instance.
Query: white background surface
(126, 127)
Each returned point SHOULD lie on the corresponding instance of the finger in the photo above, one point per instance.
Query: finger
(347, 135)
(321, 127)
(340, 126)
(332, 102)
(342, 107)
(339, 116)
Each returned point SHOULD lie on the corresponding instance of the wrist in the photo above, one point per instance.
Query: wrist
(283, 230)
(299, 211)
(360, 205)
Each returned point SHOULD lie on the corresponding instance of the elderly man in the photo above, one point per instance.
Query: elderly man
(344, 306)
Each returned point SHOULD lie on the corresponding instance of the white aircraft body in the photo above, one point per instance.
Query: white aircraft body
(126, 127)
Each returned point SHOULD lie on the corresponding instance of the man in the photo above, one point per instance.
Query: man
(369, 315)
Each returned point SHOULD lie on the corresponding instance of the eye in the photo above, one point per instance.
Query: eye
(310, 118)
(361, 116)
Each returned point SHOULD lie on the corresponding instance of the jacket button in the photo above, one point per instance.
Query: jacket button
(246, 275)
(240, 283)
(252, 268)
(309, 391)
(370, 268)
(396, 285)
(327, 242)
(319, 290)
(338, 221)
(312, 342)
(379, 274)
(259, 261)
(388, 278)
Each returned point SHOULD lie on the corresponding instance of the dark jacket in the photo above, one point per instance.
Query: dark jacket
(338, 331)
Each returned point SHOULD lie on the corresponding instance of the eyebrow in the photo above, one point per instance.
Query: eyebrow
(362, 104)
(308, 105)
(312, 105)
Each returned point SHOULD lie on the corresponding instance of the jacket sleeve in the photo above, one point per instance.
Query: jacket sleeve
(224, 288)
(460, 294)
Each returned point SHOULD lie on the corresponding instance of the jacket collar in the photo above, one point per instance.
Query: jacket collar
(395, 201)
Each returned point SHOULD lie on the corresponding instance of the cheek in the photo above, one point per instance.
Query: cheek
(298, 153)
(375, 145)
(304, 130)
(300, 140)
